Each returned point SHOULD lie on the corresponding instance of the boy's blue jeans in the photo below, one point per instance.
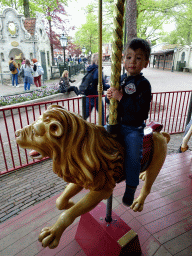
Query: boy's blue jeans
(132, 138)
(15, 78)
(90, 103)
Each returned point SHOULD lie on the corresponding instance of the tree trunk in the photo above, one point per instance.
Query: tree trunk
(26, 8)
(131, 19)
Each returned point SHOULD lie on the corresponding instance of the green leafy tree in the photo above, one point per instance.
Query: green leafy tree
(151, 16)
(182, 34)
(87, 34)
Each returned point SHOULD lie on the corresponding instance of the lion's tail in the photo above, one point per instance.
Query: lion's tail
(167, 136)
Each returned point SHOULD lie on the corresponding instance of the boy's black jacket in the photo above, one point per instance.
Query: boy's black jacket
(134, 106)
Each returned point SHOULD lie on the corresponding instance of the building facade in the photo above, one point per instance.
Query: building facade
(23, 37)
(172, 57)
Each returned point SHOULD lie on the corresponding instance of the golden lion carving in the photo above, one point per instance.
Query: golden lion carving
(86, 156)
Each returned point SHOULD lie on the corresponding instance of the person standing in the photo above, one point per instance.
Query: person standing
(28, 75)
(13, 67)
(92, 87)
(36, 75)
(23, 61)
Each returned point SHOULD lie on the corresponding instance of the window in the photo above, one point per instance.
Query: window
(2, 57)
(182, 57)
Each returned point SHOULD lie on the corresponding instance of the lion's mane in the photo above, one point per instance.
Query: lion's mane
(88, 155)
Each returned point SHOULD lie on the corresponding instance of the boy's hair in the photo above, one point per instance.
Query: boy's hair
(139, 43)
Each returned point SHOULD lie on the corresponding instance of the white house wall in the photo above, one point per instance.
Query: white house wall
(188, 56)
(22, 43)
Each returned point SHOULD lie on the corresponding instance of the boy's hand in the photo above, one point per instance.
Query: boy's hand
(114, 93)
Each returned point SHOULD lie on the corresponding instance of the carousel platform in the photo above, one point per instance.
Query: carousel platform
(164, 227)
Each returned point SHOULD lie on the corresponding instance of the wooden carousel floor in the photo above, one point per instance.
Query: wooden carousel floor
(164, 227)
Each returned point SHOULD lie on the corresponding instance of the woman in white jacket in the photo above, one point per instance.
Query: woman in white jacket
(36, 75)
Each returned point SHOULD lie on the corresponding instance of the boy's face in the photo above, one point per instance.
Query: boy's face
(135, 61)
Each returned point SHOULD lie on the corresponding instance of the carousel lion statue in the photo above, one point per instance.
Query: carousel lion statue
(86, 156)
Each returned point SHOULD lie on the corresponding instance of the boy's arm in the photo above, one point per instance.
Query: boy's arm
(114, 93)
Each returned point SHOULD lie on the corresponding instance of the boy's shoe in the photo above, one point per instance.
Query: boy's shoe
(128, 197)
(17, 86)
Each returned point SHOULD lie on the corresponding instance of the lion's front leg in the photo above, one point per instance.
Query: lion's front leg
(63, 201)
(50, 236)
(149, 176)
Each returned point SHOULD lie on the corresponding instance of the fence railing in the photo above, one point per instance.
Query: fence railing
(73, 69)
(168, 108)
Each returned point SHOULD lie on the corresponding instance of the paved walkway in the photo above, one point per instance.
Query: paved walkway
(8, 89)
(30, 185)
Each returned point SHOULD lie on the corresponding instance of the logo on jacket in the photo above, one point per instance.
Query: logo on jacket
(130, 88)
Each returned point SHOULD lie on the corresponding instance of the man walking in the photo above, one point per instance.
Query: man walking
(13, 67)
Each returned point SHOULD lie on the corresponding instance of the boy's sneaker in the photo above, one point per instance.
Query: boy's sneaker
(17, 86)
(128, 197)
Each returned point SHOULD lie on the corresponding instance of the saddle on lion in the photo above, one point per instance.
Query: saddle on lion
(86, 156)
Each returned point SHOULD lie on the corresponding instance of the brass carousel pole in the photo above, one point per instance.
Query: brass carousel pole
(115, 75)
(117, 47)
(100, 86)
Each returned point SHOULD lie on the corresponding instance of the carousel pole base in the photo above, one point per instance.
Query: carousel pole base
(99, 238)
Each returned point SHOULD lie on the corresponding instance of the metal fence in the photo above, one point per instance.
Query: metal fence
(73, 69)
(168, 108)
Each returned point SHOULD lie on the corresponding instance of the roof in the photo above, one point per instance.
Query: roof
(29, 25)
(161, 52)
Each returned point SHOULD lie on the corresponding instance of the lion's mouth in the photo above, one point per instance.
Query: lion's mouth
(35, 154)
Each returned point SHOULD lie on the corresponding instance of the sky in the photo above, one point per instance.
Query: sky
(77, 15)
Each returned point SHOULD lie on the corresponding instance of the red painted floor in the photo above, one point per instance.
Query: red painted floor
(164, 227)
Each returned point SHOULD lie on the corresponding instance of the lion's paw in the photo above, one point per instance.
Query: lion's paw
(137, 205)
(142, 176)
(48, 237)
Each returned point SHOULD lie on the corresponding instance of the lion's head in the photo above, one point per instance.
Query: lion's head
(82, 153)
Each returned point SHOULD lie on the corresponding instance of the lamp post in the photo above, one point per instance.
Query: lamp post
(90, 56)
(175, 50)
(63, 42)
(83, 50)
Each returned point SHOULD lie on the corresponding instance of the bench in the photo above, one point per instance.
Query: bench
(187, 69)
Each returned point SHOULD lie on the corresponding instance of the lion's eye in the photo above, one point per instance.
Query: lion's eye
(46, 119)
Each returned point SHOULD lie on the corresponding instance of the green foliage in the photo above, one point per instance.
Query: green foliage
(87, 35)
(37, 94)
(153, 14)
(34, 5)
(183, 26)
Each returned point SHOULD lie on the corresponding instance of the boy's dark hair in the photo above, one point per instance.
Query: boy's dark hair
(11, 58)
(139, 43)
